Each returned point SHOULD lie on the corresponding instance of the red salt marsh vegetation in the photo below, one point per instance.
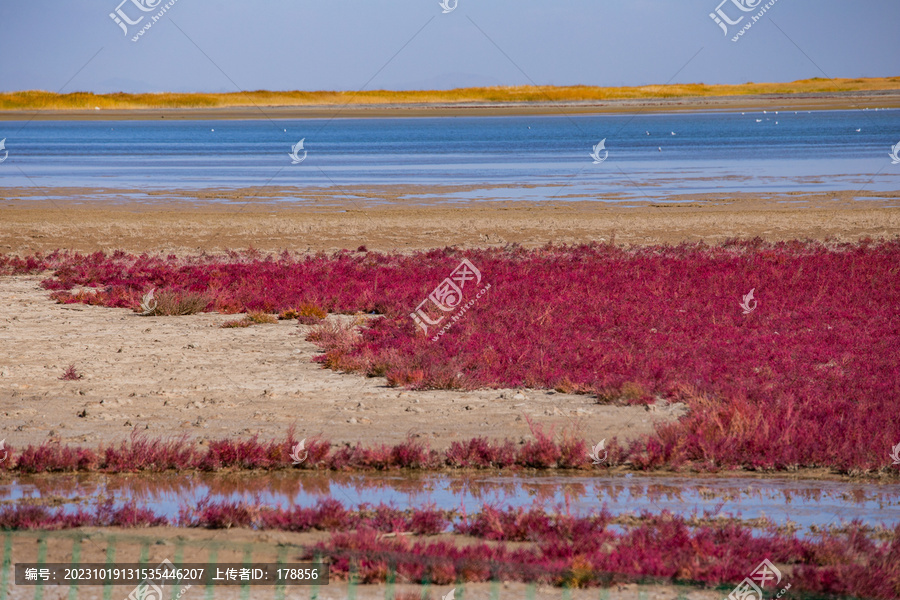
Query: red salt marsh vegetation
(141, 454)
(808, 378)
(529, 545)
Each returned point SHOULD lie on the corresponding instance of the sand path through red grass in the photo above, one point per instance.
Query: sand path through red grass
(176, 375)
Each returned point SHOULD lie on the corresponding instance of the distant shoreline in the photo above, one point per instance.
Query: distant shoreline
(871, 94)
(851, 101)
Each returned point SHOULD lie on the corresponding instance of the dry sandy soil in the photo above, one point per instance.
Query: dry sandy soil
(172, 375)
(406, 218)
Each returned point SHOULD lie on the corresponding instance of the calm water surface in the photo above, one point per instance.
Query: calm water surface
(806, 503)
(542, 157)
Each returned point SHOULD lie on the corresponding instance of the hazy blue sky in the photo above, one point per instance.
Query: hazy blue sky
(227, 45)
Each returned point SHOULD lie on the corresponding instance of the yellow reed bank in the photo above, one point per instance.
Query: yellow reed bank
(41, 100)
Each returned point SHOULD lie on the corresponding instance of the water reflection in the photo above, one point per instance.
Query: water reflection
(804, 503)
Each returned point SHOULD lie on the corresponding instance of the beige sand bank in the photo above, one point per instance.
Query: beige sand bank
(395, 218)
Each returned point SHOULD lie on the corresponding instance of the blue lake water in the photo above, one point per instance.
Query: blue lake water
(541, 157)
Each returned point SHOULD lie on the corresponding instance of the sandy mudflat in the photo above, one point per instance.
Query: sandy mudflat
(185, 375)
(386, 219)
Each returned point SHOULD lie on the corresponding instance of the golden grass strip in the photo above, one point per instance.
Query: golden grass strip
(41, 100)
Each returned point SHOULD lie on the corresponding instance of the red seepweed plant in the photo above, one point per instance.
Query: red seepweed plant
(24, 517)
(142, 454)
(529, 545)
(814, 360)
(71, 374)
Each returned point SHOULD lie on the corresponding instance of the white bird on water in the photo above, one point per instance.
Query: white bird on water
(673, 133)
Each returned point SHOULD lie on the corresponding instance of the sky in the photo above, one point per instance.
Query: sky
(235, 45)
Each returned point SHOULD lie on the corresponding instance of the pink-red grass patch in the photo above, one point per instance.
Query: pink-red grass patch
(559, 549)
(807, 378)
